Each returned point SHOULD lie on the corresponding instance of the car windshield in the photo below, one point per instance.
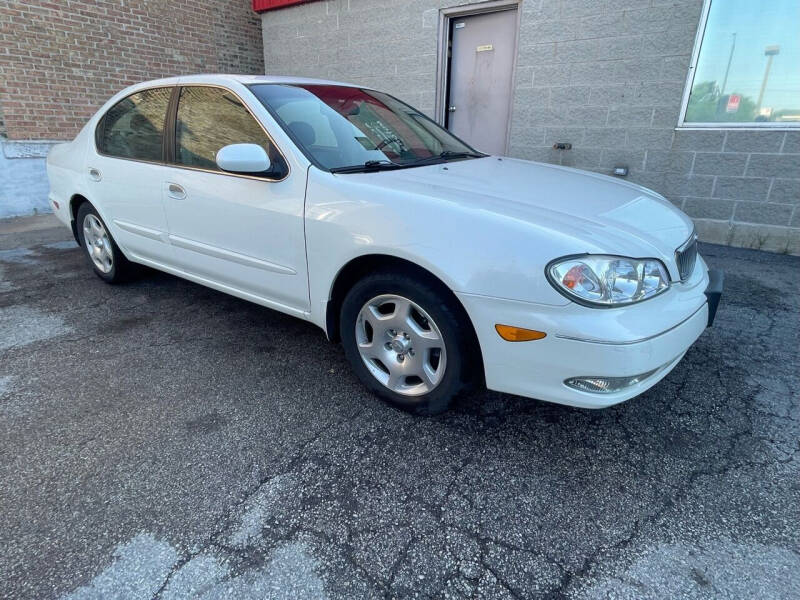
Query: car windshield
(346, 128)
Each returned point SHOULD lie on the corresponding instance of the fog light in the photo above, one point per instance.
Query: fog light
(607, 385)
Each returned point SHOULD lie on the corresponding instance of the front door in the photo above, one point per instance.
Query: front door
(244, 232)
(481, 68)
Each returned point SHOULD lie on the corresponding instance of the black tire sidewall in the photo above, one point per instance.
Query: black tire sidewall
(444, 314)
(116, 272)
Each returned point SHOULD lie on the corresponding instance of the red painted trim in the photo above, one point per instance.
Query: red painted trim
(265, 5)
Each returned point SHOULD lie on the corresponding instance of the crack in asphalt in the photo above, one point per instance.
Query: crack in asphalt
(490, 507)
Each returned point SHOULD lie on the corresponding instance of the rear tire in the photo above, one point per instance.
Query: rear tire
(105, 257)
(406, 341)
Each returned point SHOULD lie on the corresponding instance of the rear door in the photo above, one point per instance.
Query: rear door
(242, 231)
(125, 170)
(481, 69)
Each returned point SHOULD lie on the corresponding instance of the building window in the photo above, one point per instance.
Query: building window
(745, 68)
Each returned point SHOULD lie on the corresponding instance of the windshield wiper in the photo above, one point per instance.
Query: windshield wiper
(456, 154)
(446, 155)
(370, 165)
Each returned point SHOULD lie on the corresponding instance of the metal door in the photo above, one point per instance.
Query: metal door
(481, 66)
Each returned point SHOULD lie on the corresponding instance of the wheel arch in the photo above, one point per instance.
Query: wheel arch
(74, 205)
(362, 265)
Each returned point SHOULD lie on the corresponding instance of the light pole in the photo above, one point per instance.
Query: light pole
(769, 51)
(728, 68)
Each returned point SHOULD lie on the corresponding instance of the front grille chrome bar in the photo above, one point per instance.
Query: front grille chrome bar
(686, 257)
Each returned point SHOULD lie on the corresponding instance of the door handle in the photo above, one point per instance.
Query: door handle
(176, 191)
(451, 109)
(94, 174)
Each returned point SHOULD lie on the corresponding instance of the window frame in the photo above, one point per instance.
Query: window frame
(687, 89)
(101, 123)
(171, 140)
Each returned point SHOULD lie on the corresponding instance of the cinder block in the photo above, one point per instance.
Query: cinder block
(581, 158)
(569, 95)
(646, 139)
(550, 75)
(753, 141)
(573, 135)
(791, 144)
(715, 163)
(590, 73)
(774, 165)
(767, 213)
(753, 189)
(671, 161)
(786, 191)
(708, 208)
(604, 137)
(630, 116)
(700, 141)
(633, 159)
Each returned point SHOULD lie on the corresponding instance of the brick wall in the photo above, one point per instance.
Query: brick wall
(59, 61)
(606, 76)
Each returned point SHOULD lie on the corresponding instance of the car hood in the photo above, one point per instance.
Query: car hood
(588, 211)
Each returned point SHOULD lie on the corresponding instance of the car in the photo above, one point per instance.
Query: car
(436, 266)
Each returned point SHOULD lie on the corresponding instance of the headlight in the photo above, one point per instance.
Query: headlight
(608, 280)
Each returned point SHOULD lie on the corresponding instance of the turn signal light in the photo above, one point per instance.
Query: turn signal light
(517, 334)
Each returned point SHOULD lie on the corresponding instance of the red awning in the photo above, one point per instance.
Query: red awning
(265, 5)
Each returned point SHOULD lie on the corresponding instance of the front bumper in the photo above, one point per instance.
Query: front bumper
(581, 341)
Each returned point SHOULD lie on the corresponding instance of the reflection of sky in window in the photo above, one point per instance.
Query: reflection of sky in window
(757, 24)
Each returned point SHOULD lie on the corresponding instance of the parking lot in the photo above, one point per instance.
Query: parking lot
(160, 439)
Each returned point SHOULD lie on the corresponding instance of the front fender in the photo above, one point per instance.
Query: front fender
(471, 251)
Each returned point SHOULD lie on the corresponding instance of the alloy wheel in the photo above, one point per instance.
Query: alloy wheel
(401, 345)
(98, 243)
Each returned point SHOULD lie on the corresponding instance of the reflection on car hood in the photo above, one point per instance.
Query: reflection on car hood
(604, 213)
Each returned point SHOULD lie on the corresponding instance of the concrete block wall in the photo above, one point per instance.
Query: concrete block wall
(606, 76)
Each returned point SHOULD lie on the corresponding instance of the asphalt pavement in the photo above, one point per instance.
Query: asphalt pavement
(163, 440)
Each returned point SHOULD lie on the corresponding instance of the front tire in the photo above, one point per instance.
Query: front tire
(105, 257)
(407, 341)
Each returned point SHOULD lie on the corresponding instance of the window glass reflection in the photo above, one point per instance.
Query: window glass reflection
(748, 68)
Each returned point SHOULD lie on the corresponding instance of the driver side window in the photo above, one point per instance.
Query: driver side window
(210, 118)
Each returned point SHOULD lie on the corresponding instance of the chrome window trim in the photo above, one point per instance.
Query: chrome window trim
(687, 88)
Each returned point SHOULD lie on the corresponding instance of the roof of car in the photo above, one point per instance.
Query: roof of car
(246, 79)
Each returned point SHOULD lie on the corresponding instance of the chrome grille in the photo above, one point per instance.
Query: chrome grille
(686, 257)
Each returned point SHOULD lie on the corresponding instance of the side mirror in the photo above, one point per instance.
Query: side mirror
(243, 158)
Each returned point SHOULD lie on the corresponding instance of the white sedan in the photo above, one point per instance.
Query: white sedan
(436, 266)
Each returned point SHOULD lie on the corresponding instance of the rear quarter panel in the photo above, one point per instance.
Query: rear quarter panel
(66, 174)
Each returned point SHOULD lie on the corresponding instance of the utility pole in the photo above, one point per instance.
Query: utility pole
(769, 51)
(728, 68)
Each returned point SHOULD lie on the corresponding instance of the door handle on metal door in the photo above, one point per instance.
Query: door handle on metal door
(176, 191)
(94, 174)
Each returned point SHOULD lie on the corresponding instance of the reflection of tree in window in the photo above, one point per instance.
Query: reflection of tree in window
(210, 118)
(134, 127)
